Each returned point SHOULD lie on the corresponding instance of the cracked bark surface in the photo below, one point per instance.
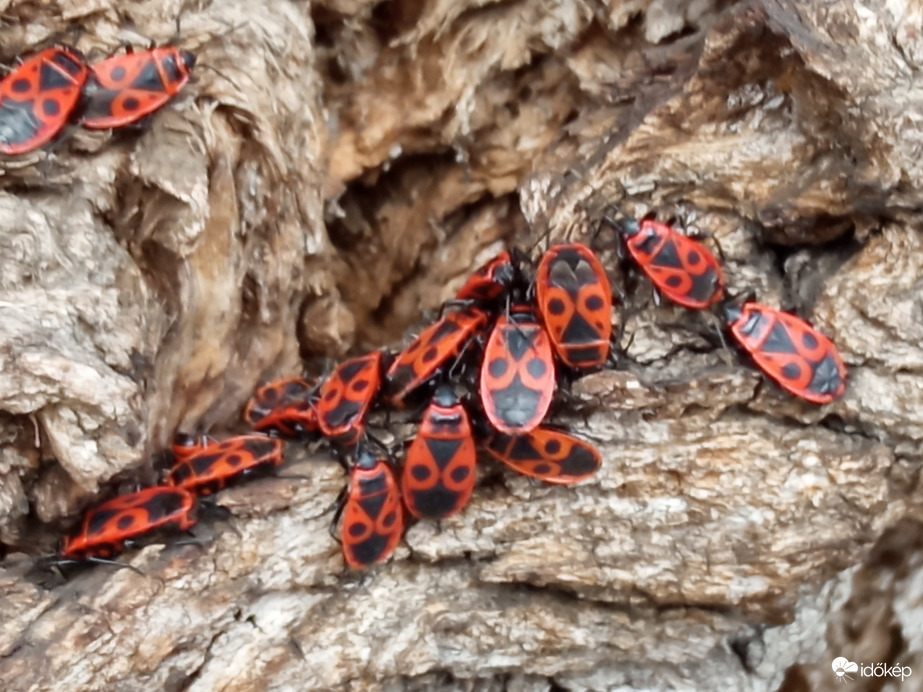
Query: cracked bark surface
(333, 174)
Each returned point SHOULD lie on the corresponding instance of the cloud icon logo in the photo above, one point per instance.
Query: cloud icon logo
(841, 666)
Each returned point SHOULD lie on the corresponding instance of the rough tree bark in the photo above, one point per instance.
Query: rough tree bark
(334, 172)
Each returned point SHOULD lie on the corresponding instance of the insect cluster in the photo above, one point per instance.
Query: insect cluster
(56, 86)
(482, 377)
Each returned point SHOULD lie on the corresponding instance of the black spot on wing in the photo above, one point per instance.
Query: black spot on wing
(827, 377)
(779, 340)
(580, 462)
(163, 504)
(149, 78)
(520, 339)
(667, 256)
(342, 413)
(373, 504)
(52, 78)
(443, 451)
(435, 502)
(99, 519)
(370, 550)
(704, 285)
(203, 463)
(579, 331)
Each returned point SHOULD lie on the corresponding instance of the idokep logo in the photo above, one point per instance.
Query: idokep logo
(842, 667)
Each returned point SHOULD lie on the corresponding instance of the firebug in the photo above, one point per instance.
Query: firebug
(517, 375)
(423, 358)
(125, 88)
(489, 281)
(285, 407)
(574, 300)
(791, 352)
(681, 268)
(38, 97)
(346, 395)
(371, 512)
(549, 455)
(205, 466)
(439, 471)
(117, 524)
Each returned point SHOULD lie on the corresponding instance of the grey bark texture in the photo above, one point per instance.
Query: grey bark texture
(334, 172)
